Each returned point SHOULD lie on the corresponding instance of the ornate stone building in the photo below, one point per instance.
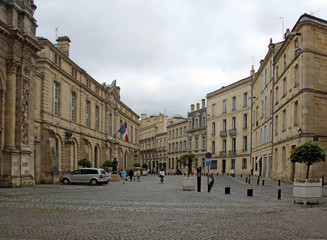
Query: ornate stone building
(153, 141)
(52, 113)
(300, 97)
(197, 133)
(177, 142)
(228, 128)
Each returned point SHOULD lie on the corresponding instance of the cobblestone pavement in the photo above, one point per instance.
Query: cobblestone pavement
(151, 210)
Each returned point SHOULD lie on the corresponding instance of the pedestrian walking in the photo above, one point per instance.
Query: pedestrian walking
(123, 174)
(131, 174)
(138, 175)
(162, 175)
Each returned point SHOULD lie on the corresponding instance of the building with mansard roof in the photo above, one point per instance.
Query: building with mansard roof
(52, 112)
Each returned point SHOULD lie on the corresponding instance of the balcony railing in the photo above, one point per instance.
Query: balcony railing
(223, 133)
(222, 154)
(232, 132)
(232, 153)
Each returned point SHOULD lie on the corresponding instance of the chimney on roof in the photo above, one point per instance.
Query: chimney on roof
(197, 106)
(252, 72)
(192, 107)
(287, 31)
(63, 45)
(143, 116)
(203, 103)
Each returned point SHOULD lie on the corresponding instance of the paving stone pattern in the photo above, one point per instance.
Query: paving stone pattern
(151, 210)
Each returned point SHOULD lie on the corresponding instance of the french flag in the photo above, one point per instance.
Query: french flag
(123, 130)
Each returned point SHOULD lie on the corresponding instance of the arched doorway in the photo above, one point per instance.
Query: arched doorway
(96, 156)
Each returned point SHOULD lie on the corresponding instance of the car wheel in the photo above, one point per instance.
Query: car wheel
(94, 182)
(65, 181)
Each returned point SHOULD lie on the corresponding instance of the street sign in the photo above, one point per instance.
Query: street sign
(208, 163)
(208, 155)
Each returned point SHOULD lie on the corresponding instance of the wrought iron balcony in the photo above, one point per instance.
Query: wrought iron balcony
(222, 154)
(232, 153)
(232, 132)
(223, 133)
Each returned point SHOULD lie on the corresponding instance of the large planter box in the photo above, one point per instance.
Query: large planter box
(305, 192)
(188, 183)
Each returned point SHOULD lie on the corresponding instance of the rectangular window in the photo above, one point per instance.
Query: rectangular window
(245, 144)
(213, 129)
(296, 75)
(276, 125)
(213, 110)
(213, 147)
(277, 94)
(214, 164)
(225, 106)
(284, 87)
(87, 114)
(284, 120)
(96, 117)
(190, 144)
(234, 123)
(234, 144)
(224, 145)
(73, 107)
(296, 113)
(233, 164)
(245, 100)
(234, 104)
(224, 125)
(56, 98)
(196, 144)
(245, 122)
(244, 163)
(203, 143)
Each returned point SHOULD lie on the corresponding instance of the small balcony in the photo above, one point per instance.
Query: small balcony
(222, 154)
(223, 133)
(232, 153)
(232, 132)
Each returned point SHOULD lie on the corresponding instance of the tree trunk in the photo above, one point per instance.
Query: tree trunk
(308, 168)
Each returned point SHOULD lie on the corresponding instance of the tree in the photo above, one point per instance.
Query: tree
(106, 165)
(187, 159)
(84, 163)
(137, 164)
(308, 153)
(145, 166)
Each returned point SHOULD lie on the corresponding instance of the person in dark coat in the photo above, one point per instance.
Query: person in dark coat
(131, 174)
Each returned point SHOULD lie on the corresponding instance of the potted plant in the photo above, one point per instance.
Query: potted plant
(106, 165)
(145, 170)
(84, 163)
(308, 153)
(188, 181)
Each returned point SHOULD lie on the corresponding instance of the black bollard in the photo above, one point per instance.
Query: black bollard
(249, 180)
(278, 182)
(258, 181)
(241, 176)
(250, 192)
(246, 180)
(279, 194)
(263, 182)
(227, 190)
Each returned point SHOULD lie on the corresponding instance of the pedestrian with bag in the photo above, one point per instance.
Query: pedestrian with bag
(162, 175)
(123, 174)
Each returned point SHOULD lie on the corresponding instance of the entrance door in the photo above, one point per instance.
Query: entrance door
(266, 164)
(223, 167)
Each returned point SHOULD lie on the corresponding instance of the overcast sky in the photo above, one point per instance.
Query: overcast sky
(169, 54)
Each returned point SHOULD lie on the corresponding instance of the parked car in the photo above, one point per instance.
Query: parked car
(92, 176)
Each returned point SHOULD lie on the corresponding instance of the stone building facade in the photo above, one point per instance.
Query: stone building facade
(229, 129)
(177, 140)
(52, 113)
(300, 97)
(153, 141)
(197, 133)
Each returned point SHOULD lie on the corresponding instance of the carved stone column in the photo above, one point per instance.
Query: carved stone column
(10, 112)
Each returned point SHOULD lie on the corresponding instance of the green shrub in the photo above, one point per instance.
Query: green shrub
(84, 163)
